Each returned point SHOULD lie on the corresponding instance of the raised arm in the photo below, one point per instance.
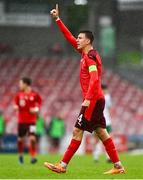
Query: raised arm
(67, 34)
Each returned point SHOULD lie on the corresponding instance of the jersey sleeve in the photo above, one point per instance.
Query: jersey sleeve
(67, 34)
(93, 72)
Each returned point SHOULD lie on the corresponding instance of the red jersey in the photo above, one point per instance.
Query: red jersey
(25, 101)
(90, 68)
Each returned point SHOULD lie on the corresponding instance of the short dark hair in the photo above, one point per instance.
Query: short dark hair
(88, 34)
(26, 80)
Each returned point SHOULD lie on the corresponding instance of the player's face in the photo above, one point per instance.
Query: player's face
(82, 41)
(22, 85)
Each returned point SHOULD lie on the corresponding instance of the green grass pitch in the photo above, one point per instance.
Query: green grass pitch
(81, 167)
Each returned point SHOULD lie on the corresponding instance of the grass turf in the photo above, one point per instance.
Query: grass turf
(81, 167)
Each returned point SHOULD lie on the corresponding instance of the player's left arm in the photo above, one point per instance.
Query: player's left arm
(38, 102)
(93, 83)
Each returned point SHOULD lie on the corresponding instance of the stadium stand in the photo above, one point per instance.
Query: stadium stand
(58, 82)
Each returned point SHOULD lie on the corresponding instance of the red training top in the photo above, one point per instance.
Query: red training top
(25, 101)
(90, 68)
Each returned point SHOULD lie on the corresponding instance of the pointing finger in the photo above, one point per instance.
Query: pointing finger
(57, 7)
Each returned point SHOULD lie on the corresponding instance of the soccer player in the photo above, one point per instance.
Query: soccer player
(108, 103)
(2, 128)
(56, 131)
(91, 116)
(27, 103)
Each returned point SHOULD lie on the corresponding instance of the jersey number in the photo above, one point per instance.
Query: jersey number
(80, 119)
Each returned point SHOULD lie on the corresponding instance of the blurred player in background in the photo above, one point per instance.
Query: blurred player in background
(40, 126)
(2, 127)
(91, 116)
(40, 130)
(108, 103)
(56, 131)
(27, 103)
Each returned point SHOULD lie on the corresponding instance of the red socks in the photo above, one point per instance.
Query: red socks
(20, 146)
(32, 148)
(111, 150)
(72, 148)
(74, 145)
